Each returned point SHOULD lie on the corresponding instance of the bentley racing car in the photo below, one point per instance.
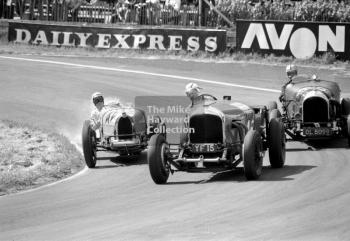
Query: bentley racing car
(221, 135)
(312, 109)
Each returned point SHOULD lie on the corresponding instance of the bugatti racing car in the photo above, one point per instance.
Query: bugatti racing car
(221, 135)
(123, 130)
(312, 109)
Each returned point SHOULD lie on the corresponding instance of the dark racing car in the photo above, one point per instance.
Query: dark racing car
(312, 109)
(221, 134)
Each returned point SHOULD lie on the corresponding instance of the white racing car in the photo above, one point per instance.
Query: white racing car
(123, 130)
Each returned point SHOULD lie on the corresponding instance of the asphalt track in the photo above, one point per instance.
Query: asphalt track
(306, 200)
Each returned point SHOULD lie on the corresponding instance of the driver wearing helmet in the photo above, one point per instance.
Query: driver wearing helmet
(192, 90)
(98, 101)
(291, 71)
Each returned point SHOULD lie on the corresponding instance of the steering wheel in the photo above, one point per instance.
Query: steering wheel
(208, 95)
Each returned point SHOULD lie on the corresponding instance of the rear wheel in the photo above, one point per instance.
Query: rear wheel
(252, 155)
(89, 144)
(157, 159)
(277, 143)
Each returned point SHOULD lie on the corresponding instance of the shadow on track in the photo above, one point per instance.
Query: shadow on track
(237, 175)
(329, 143)
(121, 161)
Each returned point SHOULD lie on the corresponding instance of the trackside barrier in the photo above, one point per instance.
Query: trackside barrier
(302, 40)
(160, 38)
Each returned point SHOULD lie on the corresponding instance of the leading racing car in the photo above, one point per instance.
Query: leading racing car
(221, 135)
(313, 109)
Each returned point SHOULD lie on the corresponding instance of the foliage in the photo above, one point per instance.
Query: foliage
(306, 10)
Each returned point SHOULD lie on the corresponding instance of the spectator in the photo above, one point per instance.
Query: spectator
(206, 11)
(123, 10)
(174, 6)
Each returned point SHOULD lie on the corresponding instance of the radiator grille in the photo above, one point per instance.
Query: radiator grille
(207, 129)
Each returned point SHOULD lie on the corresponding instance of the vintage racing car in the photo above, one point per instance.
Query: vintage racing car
(312, 109)
(221, 135)
(123, 130)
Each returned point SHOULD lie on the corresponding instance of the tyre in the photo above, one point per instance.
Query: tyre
(277, 143)
(258, 123)
(272, 105)
(156, 157)
(345, 106)
(348, 129)
(274, 114)
(89, 144)
(252, 155)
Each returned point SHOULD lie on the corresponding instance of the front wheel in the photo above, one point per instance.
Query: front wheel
(157, 159)
(345, 106)
(272, 105)
(252, 155)
(274, 114)
(89, 144)
(277, 143)
(348, 129)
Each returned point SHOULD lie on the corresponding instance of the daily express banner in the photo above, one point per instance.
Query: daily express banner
(192, 40)
(299, 39)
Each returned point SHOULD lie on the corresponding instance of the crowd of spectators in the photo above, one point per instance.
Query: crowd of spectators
(179, 12)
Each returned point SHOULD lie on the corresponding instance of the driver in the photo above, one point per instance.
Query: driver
(98, 100)
(291, 71)
(192, 91)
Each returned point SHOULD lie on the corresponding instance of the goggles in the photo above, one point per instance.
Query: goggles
(97, 100)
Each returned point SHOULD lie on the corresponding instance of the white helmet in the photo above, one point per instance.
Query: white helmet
(192, 90)
(97, 97)
(291, 70)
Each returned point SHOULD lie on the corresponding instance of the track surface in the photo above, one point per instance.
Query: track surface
(307, 200)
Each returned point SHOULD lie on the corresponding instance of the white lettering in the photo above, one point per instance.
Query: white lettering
(40, 38)
(303, 43)
(175, 42)
(156, 40)
(83, 38)
(103, 40)
(66, 39)
(210, 44)
(193, 44)
(121, 43)
(326, 36)
(281, 41)
(139, 39)
(255, 30)
(22, 36)
(55, 36)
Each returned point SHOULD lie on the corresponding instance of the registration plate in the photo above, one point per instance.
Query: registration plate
(313, 131)
(204, 148)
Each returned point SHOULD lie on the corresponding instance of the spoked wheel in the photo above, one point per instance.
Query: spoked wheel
(277, 143)
(89, 144)
(157, 159)
(252, 155)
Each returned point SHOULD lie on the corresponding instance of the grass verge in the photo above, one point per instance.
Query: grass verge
(31, 157)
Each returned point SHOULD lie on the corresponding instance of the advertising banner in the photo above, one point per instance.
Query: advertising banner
(192, 40)
(299, 39)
